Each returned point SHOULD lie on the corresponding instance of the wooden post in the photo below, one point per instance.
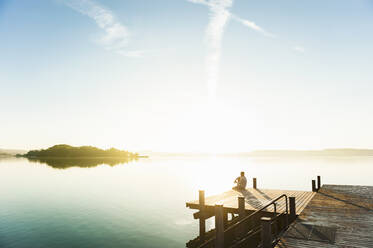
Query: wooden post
(266, 232)
(241, 213)
(202, 221)
(225, 219)
(254, 183)
(201, 197)
(313, 186)
(219, 226)
(318, 183)
(241, 207)
(292, 208)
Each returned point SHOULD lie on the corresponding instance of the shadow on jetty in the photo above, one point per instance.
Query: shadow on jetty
(64, 163)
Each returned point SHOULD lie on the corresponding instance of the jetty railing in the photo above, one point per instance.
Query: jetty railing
(247, 228)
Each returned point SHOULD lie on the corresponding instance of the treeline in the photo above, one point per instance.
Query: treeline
(67, 151)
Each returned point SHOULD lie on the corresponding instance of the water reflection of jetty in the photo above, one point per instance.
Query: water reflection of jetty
(327, 216)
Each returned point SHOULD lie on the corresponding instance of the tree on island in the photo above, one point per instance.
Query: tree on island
(67, 151)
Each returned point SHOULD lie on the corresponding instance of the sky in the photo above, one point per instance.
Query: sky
(186, 75)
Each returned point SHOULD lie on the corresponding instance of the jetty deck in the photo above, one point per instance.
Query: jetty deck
(254, 200)
(330, 216)
(338, 216)
(246, 209)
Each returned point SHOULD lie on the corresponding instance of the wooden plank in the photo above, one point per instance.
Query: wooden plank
(338, 216)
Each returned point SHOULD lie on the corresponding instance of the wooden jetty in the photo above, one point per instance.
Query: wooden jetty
(246, 208)
(330, 216)
(338, 216)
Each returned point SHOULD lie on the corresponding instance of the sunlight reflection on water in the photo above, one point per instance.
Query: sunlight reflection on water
(140, 204)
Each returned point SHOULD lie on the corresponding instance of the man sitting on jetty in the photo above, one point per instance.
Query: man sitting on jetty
(241, 182)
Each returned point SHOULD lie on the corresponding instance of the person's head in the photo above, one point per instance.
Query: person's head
(242, 174)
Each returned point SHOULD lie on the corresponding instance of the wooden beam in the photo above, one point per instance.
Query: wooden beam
(206, 214)
(266, 232)
(202, 220)
(225, 218)
(219, 226)
(292, 208)
(241, 207)
(318, 183)
(314, 186)
(241, 213)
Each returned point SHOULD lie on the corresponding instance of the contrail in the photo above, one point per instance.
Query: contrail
(117, 35)
(219, 17)
(214, 33)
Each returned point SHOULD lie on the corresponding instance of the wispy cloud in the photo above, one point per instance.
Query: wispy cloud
(205, 2)
(299, 49)
(253, 26)
(116, 36)
(219, 17)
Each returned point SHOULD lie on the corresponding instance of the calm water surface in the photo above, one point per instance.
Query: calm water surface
(140, 204)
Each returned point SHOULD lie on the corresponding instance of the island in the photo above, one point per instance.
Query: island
(65, 156)
(67, 151)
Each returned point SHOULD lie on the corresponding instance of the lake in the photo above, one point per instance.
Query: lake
(141, 203)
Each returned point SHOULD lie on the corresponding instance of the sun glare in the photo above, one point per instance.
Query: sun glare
(222, 130)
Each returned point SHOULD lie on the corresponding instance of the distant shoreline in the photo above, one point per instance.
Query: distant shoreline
(88, 152)
(325, 152)
(343, 152)
(6, 155)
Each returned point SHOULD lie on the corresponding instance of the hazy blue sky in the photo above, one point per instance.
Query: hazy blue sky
(135, 74)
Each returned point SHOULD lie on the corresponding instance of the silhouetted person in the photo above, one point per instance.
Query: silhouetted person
(241, 182)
